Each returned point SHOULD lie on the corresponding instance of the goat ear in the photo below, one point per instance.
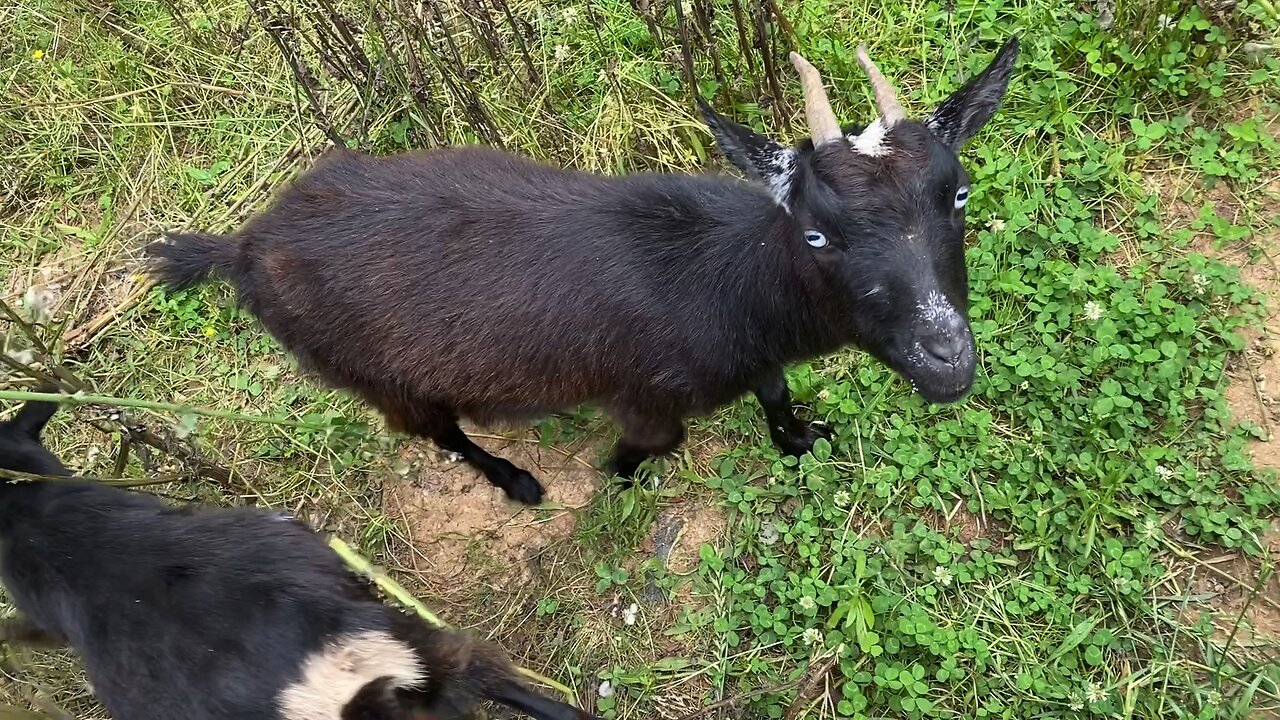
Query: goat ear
(962, 115)
(32, 418)
(762, 159)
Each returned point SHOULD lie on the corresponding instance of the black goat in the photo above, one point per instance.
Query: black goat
(221, 614)
(476, 283)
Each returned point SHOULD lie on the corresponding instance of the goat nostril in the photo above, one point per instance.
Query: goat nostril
(944, 348)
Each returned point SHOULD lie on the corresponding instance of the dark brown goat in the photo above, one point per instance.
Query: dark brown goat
(467, 282)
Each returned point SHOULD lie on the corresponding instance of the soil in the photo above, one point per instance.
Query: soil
(1253, 395)
(459, 525)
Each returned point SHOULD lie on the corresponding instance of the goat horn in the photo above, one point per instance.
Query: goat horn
(886, 99)
(823, 125)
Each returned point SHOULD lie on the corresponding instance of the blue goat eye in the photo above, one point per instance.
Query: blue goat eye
(962, 196)
(815, 238)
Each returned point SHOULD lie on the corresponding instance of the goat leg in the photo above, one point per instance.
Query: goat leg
(517, 483)
(792, 435)
(19, 630)
(643, 437)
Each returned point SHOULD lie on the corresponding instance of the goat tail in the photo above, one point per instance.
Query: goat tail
(184, 260)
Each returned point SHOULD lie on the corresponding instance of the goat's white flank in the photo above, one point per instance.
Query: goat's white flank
(331, 677)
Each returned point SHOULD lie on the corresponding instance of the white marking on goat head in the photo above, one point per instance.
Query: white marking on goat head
(873, 141)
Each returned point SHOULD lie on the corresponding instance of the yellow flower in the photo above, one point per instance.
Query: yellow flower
(209, 331)
(37, 54)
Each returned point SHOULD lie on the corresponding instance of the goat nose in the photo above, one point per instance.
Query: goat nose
(946, 348)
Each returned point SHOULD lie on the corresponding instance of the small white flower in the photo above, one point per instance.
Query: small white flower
(1076, 704)
(1165, 22)
(824, 394)
(768, 534)
(570, 15)
(997, 225)
(605, 690)
(629, 614)
(1200, 283)
(1093, 311)
(1094, 693)
(942, 576)
(807, 603)
(1215, 698)
(1024, 385)
(562, 52)
(843, 498)
(1163, 472)
(812, 636)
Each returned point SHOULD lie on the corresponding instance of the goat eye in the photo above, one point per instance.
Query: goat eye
(962, 196)
(815, 238)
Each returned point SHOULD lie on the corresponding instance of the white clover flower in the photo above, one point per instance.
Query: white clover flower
(768, 534)
(1076, 704)
(1214, 698)
(1094, 693)
(1164, 21)
(807, 603)
(1093, 312)
(996, 225)
(1200, 283)
(812, 636)
(843, 498)
(605, 690)
(942, 576)
(570, 15)
(629, 614)
(562, 52)
(1163, 472)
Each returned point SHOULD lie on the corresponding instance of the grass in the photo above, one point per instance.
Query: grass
(1087, 535)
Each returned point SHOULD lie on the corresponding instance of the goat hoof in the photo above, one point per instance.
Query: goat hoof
(521, 486)
(802, 442)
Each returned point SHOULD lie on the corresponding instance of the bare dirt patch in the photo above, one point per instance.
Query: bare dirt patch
(1254, 389)
(459, 526)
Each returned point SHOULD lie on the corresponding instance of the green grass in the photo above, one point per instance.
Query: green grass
(1051, 547)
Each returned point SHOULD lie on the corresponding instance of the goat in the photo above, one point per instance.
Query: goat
(468, 282)
(221, 614)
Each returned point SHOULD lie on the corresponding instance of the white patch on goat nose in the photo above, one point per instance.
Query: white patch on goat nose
(936, 308)
(873, 141)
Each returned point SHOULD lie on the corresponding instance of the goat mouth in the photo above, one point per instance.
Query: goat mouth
(938, 383)
(943, 393)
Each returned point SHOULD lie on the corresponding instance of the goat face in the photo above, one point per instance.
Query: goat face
(20, 446)
(880, 211)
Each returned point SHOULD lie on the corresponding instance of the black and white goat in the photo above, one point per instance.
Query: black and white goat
(468, 282)
(221, 614)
